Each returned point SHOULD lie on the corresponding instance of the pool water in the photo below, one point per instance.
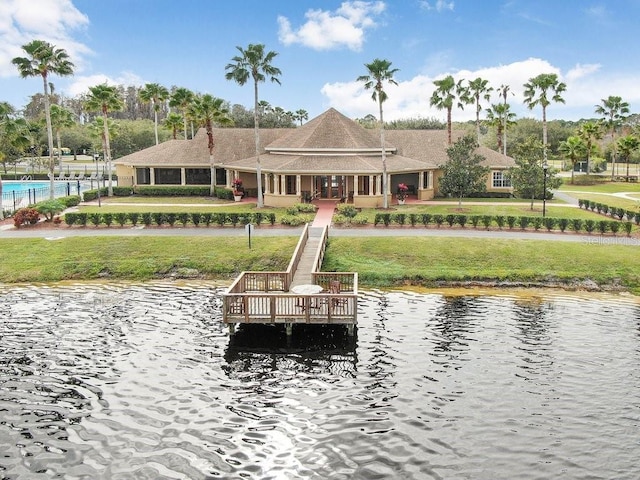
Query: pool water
(142, 381)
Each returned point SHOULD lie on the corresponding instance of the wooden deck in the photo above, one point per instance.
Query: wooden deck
(266, 297)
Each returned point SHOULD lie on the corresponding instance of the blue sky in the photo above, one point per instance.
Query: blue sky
(323, 45)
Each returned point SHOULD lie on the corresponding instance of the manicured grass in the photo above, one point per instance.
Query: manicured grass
(607, 187)
(427, 260)
(139, 258)
(610, 200)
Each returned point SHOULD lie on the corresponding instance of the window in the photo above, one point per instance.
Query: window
(500, 180)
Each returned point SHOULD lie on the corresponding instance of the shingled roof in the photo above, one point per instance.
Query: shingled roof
(330, 143)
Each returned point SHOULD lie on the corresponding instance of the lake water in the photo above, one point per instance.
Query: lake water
(141, 381)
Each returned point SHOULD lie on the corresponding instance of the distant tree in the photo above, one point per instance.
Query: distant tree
(613, 110)
(589, 132)
(104, 98)
(573, 148)
(430, 123)
(182, 98)
(44, 59)
(301, 115)
(501, 118)
(209, 111)
(627, 145)
(379, 71)
(527, 177)
(253, 62)
(476, 91)
(156, 95)
(174, 122)
(463, 174)
(503, 92)
(447, 92)
(61, 118)
(536, 92)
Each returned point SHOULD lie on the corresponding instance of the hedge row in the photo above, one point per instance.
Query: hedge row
(158, 218)
(575, 224)
(90, 195)
(614, 212)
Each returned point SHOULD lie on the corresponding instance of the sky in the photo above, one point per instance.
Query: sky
(323, 46)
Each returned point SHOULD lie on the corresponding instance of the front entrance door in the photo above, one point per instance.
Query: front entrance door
(334, 186)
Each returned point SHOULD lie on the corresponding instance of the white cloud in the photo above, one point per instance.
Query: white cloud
(438, 5)
(326, 30)
(586, 85)
(81, 84)
(51, 20)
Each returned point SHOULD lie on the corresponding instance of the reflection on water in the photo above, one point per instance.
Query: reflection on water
(141, 381)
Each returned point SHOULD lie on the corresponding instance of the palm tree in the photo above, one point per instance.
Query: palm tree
(378, 72)
(503, 91)
(301, 115)
(155, 94)
(478, 89)
(627, 145)
(574, 148)
(208, 111)
(254, 62)
(500, 117)
(105, 99)
(446, 92)
(60, 118)
(613, 110)
(44, 59)
(590, 132)
(173, 122)
(181, 98)
(536, 92)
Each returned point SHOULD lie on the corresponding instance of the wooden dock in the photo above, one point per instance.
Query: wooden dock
(268, 297)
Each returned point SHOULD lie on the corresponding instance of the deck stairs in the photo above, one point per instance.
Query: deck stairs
(302, 274)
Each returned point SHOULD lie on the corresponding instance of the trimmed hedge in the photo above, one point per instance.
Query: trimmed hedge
(184, 218)
(613, 212)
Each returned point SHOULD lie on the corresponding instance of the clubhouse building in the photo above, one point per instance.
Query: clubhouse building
(330, 157)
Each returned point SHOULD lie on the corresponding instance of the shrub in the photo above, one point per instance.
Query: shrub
(171, 218)
(83, 218)
(599, 207)
(245, 218)
(630, 215)
(95, 218)
(486, 221)
(168, 191)
(605, 209)
(589, 225)
(620, 212)
(511, 221)
(49, 208)
(134, 217)
(234, 218)
(377, 219)
(603, 226)
(338, 219)
(500, 221)
(426, 218)
(400, 218)
(344, 209)
(121, 218)
(450, 219)
(413, 219)
(360, 220)
(537, 223)
(581, 203)
(272, 218)
(311, 208)
(576, 224)
(384, 218)
(158, 218)
(475, 219)
(196, 218)
(107, 218)
(438, 219)
(549, 223)
(26, 216)
(207, 217)
(258, 217)
(147, 218)
(592, 205)
(523, 222)
(183, 218)
(563, 223)
(71, 200)
(70, 218)
(296, 220)
(628, 226)
(462, 220)
(614, 227)
(90, 195)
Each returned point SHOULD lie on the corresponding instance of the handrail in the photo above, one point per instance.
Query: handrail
(319, 256)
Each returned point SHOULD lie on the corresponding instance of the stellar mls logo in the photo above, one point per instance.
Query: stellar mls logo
(601, 240)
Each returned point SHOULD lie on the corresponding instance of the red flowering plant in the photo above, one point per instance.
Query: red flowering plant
(402, 191)
(238, 189)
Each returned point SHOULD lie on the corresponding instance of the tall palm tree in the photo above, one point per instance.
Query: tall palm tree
(501, 118)
(574, 148)
(536, 92)
(104, 98)
(181, 98)
(173, 122)
(503, 91)
(209, 111)
(378, 72)
(155, 94)
(627, 145)
(589, 132)
(254, 63)
(301, 115)
(614, 111)
(477, 90)
(443, 97)
(60, 118)
(45, 59)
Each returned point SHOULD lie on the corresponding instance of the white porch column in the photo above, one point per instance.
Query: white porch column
(298, 185)
(152, 176)
(378, 184)
(355, 185)
(183, 176)
(276, 183)
(420, 180)
(283, 185)
(266, 185)
(371, 185)
(431, 179)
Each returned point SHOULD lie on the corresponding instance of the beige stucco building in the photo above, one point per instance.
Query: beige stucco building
(331, 156)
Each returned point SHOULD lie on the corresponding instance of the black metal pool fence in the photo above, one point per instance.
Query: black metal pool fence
(14, 200)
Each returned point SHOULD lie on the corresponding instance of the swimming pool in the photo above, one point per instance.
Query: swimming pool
(19, 193)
